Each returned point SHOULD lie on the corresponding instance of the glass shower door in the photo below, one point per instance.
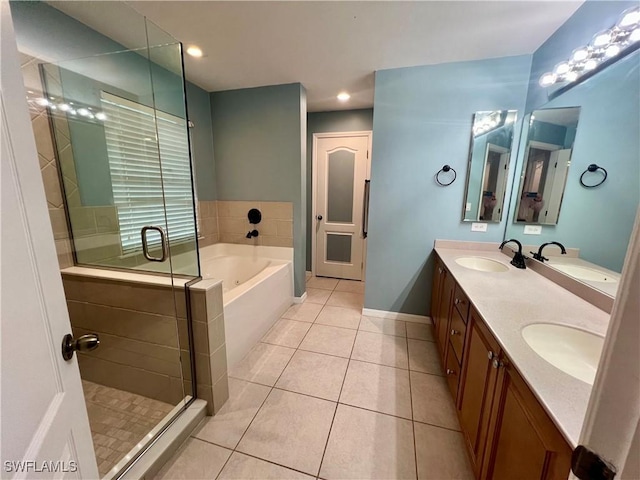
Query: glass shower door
(119, 125)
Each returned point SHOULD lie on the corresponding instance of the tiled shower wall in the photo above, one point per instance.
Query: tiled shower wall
(48, 161)
(227, 222)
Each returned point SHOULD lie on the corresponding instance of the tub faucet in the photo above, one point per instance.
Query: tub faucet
(538, 256)
(518, 257)
(252, 233)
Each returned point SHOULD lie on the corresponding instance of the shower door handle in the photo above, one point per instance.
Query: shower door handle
(365, 209)
(145, 246)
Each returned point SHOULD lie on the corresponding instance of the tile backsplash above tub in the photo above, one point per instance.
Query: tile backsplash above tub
(226, 221)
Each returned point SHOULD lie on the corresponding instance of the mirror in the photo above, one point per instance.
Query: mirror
(550, 138)
(595, 224)
(487, 172)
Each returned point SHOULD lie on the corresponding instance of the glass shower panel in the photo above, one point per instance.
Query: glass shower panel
(167, 77)
(113, 140)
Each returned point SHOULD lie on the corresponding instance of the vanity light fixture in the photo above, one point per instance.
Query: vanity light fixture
(485, 123)
(66, 107)
(194, 51)
(343, 96)
(606, 46)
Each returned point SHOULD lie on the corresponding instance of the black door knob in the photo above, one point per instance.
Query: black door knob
(85, 343)
(319, 217)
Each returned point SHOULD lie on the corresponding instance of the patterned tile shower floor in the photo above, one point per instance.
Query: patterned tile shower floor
(119, 420)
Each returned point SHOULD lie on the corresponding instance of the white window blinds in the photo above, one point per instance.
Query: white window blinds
(141, 164)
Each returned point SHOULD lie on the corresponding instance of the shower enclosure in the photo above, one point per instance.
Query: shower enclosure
(119, 125)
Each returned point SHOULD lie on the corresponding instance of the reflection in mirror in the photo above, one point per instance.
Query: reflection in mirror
(487, 172)
(544, 173)
(596, 223)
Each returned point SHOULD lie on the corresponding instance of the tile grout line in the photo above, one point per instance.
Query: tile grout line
(413, 424)
(337, 403)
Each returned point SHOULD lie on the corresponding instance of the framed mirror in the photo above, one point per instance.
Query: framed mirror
(595, 223)
(548, 149)
(488, 168)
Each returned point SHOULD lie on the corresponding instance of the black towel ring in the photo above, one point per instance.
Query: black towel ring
(590, 169)
(445, 169)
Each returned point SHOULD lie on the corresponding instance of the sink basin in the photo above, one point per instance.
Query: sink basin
(584, 273)
(573, 351)
(482, 264)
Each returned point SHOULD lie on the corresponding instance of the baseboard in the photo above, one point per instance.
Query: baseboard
(300, 299)
(407, 317)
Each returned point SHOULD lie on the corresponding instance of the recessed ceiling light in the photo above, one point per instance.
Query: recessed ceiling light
(194, 51)
(343, 96)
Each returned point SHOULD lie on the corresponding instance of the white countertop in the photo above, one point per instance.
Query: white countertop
(509, 301)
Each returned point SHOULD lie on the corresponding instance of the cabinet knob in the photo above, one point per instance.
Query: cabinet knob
(456, 301)
(450, 372)
(497, 363)
(454, 332)
(439, 269)
(490, 355)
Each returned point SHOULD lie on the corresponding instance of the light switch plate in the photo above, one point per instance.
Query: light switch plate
(478, 227)
(468, 207)
(532, 229)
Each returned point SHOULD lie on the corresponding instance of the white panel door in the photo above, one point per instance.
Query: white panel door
(341, 171)
(44, 430)
(554, 186)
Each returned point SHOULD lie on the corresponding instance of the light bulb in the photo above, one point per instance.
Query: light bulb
(101, 116)
(612, 51)
(194, 51)
(84, 112)
(561, 68)
(572, 76)
(590, 64)
(43, 102)
(602, 39)
(64, 107)
(635, 35)
(547, 79)
(343, 96)
(630, 18)
(580, 54)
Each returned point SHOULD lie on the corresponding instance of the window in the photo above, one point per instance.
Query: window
(150, 171)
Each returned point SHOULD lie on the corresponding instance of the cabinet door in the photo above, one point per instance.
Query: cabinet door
(477, 388)
(436, 288)
(444, 314)
(523, 442)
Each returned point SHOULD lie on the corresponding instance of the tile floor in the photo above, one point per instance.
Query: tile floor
(331, 394)
(118, 421)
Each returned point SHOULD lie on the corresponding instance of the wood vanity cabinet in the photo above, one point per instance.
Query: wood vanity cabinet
(507, 433)
(522, 442)
(477, 388)
(441, 304)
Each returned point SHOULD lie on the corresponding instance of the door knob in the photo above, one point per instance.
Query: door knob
(85, 343)
(319, 217)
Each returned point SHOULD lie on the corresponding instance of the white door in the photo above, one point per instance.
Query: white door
(554, 186)
(501, 183)
(45, 429)
(341, 169)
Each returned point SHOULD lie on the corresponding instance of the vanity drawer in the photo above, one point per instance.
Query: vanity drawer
(452, 371)
(457, 330)
(461, 302)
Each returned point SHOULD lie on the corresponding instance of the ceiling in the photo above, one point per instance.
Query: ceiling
(329, 46)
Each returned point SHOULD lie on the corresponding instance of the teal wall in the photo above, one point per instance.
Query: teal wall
(422, 120)
(199, 112)
(260, 153)
(323, 122)
(599, 221)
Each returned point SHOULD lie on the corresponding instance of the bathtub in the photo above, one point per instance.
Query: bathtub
(257, 286)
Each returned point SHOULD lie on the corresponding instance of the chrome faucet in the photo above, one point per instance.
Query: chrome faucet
(538, 256)
(518, 257)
